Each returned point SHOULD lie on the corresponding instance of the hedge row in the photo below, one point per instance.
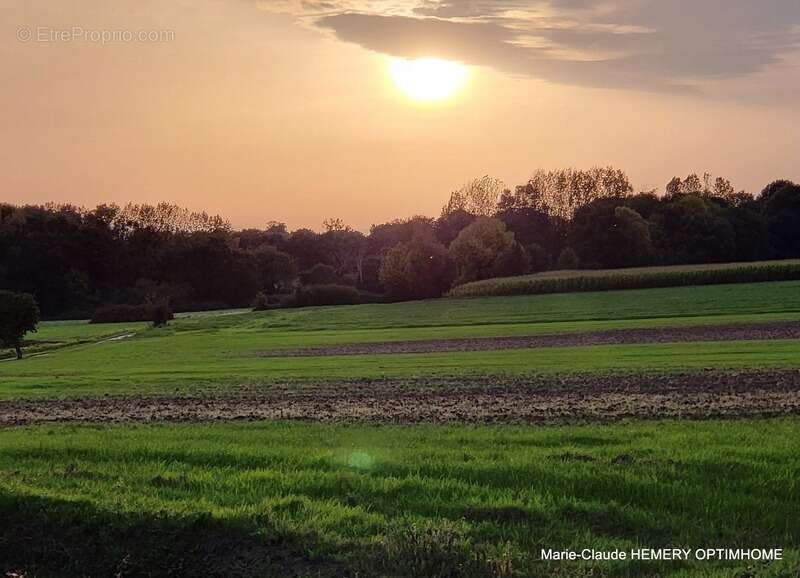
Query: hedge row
(317, 295)
(158, 313)
(120, 314)
(632, 279)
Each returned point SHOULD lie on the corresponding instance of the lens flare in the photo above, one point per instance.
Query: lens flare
(361, 461)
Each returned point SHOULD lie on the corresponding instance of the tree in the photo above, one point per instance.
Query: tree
(419, 269)
(160, 313)
(275, 270)
(346, 249)
(512, 262)
(168, 218)
(644, 203)
(781, 208)
(535, 227)
(478, 197)
(449, 226)
(606, 233)
(560, 193)
(674, 186)
(538, 258)
(480, 247)
(692, 228)
(275, 234)
(386, 235)
(723, 188)
(308, 248)
(694, 184)
(261, 302)
(567, 260)
(751, 232)
(334, 224)
(19, 314)
(319, 274)
(774, 187)
(219, 273)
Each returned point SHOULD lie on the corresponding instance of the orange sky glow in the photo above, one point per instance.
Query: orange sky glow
(297, 111)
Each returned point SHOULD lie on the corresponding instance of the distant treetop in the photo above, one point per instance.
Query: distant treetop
(560, 193)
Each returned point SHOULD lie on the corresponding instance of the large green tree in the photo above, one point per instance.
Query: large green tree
(487, 249)
(418, 269)
(781, 206)
(607, 234)
(275, 270)
(19, 314)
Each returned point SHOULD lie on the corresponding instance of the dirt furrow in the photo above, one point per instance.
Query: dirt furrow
(729, 332)
(564, 399)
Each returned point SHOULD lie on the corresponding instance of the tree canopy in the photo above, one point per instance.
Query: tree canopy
(74, 261)
(19, 315)
(560, 193)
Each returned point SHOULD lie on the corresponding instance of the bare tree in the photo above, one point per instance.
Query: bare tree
(723, 188)
(347, 246)
(167, 218)
(694, 184)
(333, 225)
(561, 192)
(478, 197)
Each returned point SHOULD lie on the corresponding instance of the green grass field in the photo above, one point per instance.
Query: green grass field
(56, 334)
(310, 500)
(274, 499)
(214, 350)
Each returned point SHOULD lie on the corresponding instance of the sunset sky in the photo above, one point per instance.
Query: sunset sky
(300, 110)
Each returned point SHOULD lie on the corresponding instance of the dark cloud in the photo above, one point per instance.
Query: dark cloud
(662, 45)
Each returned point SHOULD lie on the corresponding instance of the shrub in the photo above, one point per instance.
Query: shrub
(319, 295)
(120, 314)
(159, 313)
(264, 302)
(261, 302)
(371, 297)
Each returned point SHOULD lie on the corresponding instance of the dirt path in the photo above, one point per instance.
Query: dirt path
(581, 398)
(730, 332)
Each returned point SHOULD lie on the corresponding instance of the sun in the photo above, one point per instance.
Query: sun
(428, 79)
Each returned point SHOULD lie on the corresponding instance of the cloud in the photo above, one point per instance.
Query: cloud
(655, 45)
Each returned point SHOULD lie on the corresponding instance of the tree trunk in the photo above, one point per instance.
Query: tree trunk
(18, 349)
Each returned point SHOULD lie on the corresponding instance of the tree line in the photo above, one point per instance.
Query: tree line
(74, 260)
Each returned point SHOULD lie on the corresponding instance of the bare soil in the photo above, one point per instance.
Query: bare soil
(729, 332)
(477, 400)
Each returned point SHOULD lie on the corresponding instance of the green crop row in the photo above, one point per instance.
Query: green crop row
(612, 280)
